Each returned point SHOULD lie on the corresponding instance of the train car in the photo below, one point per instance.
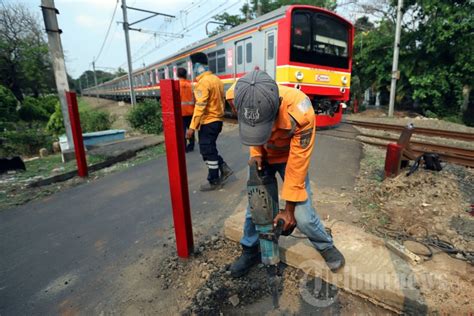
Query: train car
(301, 46)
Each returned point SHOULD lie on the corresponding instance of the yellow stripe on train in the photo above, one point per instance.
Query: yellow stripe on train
(313, 76)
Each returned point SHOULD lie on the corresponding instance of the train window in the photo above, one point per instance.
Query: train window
(161, 73)
(216, 61)
(301, 31)
(271, 46)
(319, 39)
(248, 52)
(239, 55)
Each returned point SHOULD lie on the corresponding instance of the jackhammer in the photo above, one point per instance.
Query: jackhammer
(262, 190)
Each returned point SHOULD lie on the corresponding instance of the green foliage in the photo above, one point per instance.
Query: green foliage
(146, 117)
(25, 65)
(48, 103)
(254, 8)
(435, 59)
(8, 104)
(91, 120)
(26, 140)
(31, 110)
(55, 124)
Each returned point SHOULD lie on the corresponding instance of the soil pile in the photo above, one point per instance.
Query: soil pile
(423, 204)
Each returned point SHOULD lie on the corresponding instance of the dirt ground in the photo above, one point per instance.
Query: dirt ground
(117, 109)
(403, 118)
(426, 203)
(202, 285)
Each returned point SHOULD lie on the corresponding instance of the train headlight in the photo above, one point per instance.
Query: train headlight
(343, 90)
(344, 80)
(299, 75)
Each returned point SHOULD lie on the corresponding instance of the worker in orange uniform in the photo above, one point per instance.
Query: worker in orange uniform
(207, 118)
(187, 104)
(278, 123)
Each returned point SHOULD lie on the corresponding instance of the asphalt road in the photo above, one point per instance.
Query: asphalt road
(67, 249)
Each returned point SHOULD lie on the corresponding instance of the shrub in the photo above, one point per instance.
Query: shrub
(468, 116)
(8, 104)
(24, 142)
(31, 110)
(91, 121)
(146, 117)
(48, 103)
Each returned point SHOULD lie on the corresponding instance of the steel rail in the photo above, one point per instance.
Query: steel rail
(418, 130)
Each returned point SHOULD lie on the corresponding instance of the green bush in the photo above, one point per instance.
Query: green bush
(24, 142)
(31, 110)
(468, 116)
(8, 104)
(48, 103)
(146, 117)
(91, 121)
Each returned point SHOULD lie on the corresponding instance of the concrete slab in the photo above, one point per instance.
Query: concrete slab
(372, 271)
(132, 144)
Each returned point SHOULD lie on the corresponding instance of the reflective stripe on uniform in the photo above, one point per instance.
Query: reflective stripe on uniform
(201, 103)
(187, 103)
(212, 164)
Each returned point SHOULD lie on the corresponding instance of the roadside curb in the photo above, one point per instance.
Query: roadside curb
(95, 167)
(375, 273)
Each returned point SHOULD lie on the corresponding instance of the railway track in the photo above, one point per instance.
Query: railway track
(456, 155)
(418, 130)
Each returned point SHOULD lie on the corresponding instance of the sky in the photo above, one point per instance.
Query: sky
(85, 22)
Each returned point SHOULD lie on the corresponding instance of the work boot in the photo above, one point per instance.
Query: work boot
(225, 171)
(208, 186)
(334, 258)
(250, 256)
(189, 148)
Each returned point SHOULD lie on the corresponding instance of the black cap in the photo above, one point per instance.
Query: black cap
(199, 58)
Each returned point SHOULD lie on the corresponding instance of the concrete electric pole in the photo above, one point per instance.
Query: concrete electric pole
(126, 28)
(129, 54)
(57, 56)
(396, 51)
(95, 81)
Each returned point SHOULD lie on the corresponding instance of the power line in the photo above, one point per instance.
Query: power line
(107, 33)
(191, 27)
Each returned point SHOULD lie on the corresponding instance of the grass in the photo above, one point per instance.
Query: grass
(14, 192)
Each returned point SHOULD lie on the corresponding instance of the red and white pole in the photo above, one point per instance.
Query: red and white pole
(77, 134)
(175, 156)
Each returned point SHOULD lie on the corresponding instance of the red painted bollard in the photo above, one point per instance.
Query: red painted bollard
(77, 134)
(175, 156)
(393, 160)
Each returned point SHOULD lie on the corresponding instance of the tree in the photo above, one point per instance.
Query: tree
(8, 104)
(436, 63)
(25, 66)
(256, 8)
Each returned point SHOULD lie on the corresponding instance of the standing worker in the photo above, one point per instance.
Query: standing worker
(187, 104)
(207, 118)
(278, 123)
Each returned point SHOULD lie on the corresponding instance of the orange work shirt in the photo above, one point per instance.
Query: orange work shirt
(291, 142)
(186, 95)
(209, 95)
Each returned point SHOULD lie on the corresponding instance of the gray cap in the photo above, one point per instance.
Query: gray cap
(257, 102)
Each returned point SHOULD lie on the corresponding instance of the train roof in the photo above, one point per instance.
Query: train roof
(273, 15)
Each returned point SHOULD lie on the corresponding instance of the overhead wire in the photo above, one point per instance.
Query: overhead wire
(108, 31)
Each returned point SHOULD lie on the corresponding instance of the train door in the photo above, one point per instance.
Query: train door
(244, 56)
(270, 52)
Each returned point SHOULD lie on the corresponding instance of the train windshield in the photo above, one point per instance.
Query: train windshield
(319, 39)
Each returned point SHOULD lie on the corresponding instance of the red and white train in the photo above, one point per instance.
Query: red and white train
(301, 46)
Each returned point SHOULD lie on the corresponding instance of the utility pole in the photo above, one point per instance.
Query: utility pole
(95, 81)
(126, 28)
(56, 51)
(396, 51)
(129, 54)
(80, 85)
